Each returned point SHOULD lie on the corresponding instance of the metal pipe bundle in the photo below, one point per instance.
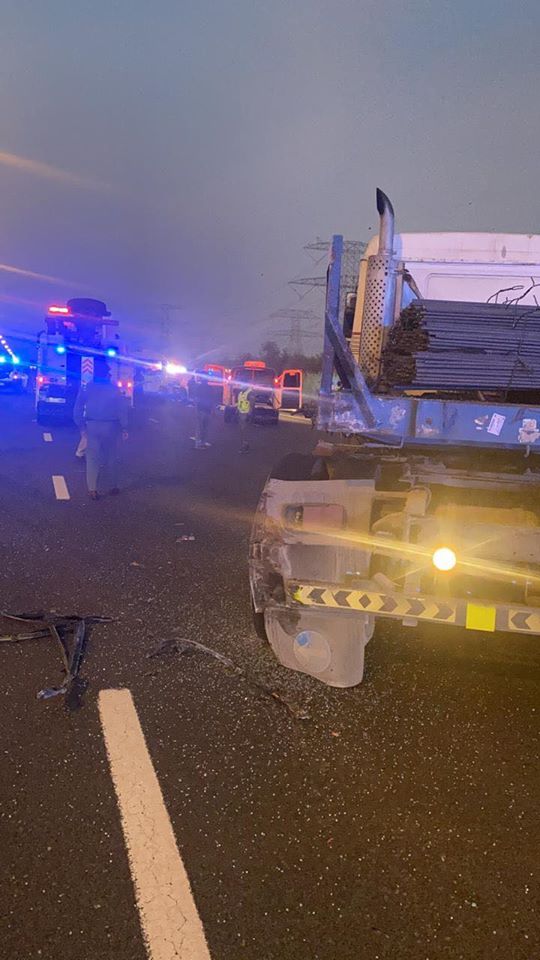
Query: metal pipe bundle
(453, 345)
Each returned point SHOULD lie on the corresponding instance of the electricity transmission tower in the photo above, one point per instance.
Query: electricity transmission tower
(353, 251)
(295, 332)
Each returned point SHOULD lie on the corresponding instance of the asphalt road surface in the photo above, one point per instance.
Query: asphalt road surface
(399, 821)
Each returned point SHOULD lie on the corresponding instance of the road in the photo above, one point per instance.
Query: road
(399, 821)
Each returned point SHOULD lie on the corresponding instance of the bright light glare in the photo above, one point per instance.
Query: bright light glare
(174, 368)
(60, 349)
(444, 559)
(63, 310)
(15, 359)
(2, 359)
(111, 351)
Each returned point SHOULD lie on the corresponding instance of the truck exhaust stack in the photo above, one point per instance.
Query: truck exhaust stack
(378, 312)
(386, 226)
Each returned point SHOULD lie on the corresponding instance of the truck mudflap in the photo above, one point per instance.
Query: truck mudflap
(471, 614)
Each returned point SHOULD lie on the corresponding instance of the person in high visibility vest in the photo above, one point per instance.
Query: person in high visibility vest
(244, 406)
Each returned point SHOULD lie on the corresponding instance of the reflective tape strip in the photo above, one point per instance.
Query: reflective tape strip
(524, 621)
(390, 605)
(451, 610)
(87, 369)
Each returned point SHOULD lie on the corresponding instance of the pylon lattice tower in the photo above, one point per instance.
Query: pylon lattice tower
(296, 332)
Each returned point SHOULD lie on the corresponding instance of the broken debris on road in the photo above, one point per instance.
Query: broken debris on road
(71, 634)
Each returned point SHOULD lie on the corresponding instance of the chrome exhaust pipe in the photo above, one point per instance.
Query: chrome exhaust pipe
(386, 225)
(379, 294)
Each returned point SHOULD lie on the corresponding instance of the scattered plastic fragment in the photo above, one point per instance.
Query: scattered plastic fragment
(185, 646)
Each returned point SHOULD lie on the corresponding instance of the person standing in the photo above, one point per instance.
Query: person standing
(244, 407)
(101, 412)
(203, 395)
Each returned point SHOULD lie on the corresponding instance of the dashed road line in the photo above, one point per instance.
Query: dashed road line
(47, 437)
(171, 926)
(60, 488)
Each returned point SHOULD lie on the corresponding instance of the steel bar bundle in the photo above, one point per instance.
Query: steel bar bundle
(453, 345)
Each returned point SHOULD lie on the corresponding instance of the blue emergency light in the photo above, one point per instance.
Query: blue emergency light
(111, 351)
(60, 348)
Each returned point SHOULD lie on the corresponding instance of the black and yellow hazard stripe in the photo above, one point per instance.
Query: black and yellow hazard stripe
(367, 601)
(524, 620)
(460, 612)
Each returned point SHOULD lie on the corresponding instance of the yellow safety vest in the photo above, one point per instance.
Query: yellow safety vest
(243, 404)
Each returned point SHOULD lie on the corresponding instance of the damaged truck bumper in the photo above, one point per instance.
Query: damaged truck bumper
(328, 557)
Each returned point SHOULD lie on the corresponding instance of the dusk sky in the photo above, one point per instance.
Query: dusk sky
(185, 152)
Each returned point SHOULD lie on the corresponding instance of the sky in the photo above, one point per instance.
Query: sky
(178, 152)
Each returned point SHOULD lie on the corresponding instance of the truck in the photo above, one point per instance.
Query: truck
(262, 381)
(421, 500)
(74, 334)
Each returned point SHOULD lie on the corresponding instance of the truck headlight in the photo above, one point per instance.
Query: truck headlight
(444, 559)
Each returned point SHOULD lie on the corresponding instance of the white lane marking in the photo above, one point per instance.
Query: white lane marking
(60, 488)
(170, 924)
(47, 437)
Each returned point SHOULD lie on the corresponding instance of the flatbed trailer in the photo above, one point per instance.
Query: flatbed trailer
(421, 507)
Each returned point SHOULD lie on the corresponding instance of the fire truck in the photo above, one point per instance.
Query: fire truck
(74, 335)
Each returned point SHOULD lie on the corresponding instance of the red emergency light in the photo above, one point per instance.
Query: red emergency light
(64, 311)
(255, 364)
